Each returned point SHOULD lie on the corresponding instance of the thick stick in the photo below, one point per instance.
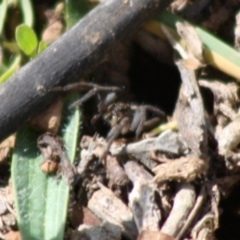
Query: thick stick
(77, 52)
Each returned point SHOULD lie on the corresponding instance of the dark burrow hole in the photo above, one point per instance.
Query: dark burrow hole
(153, 82)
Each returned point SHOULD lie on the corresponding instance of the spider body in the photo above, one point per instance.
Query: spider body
(125, 118)
(122, 117)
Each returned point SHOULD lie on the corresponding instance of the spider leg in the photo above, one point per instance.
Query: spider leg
(84, 86)
(112, 135)
(78, 86)
(155, 110)
(149, 124)
(155, 120)
(138, 121)
(87, 96)
(96, 118)
(121, 128)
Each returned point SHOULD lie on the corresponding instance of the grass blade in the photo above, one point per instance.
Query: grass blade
(12, 69)
(42, 200)
(3, 12)
(27, 11)
(216, 52)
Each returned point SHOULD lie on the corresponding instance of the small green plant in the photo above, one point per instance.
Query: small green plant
(41, 199)
(26, 40)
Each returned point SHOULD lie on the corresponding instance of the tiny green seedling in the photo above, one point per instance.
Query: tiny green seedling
(27, 41)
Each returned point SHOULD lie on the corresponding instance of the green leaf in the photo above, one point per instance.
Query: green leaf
(27, 11)
(3, 12)
(11, 70)
(42, 200)
(26, 39)
(42, 46)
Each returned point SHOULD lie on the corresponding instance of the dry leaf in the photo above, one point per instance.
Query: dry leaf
(185, 169)
(50, 119)
(53, 32)
(55, 26)
(9, 142)
(6, 146)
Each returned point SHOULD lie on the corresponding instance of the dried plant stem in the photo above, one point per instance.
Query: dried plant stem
(183, 203)
(193, 213)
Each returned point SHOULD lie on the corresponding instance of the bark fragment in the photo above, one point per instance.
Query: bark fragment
(111, 209)
(185, 169)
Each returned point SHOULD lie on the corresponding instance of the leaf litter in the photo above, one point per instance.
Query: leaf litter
(141, 186)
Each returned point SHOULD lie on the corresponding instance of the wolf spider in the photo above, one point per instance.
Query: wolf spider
(123, 117)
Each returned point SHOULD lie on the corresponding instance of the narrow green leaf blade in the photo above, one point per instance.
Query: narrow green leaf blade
(41, 200)
(42, 46)
(26, 39)
(12, 69)
(3, 12)
(27, 11)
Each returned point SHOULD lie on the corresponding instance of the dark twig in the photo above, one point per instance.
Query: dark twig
(77, 52)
